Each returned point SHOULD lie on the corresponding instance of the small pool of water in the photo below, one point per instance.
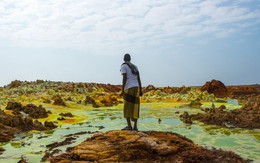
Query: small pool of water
(243, 142)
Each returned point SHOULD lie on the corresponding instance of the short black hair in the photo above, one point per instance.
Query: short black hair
(127, 57)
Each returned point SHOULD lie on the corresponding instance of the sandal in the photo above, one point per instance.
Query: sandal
(135, 128)
(127, 128)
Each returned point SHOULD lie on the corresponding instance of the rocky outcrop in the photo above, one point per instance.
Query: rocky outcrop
(186, 118)
(246, 117)
(168, 90)
(22, 160)
(1, 150)
(58, 100)
(146, 146)
(149, 88)
(66, 114)
(89, 100)
(67, 141)
(43, 126)
(195, 104)
(7, 133)
(245, 94)
(15, 84)
(30, 109)
(17, 121)
(109, 100)
(243, 90)
(35, 112)
(216, 87)
(9, 125)
(109, 87)
(102, 100)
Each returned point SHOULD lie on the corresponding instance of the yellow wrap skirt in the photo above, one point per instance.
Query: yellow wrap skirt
(131, 103)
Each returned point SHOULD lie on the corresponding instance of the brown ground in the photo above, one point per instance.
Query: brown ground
(246, 117)
(146, 146)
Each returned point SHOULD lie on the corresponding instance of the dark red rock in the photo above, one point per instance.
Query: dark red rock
(149, 88)
(35, 112)
(61, 119)
(95, 105)
(58, 101)
(216, 87)
(66, 114)
(22, 160)
(89, 100)
(195, 104)
(168, 90)
(15, 106)
(246, 117)
(146, 146)
(7, 133)
(49, 125)
(186, 118)
(30, 109)
(67, 141)
(1, 150)
(38, 125)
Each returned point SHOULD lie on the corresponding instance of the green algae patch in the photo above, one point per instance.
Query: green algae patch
(16, 144)
(49, 132)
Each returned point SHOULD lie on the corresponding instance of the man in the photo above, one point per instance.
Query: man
(131, 90)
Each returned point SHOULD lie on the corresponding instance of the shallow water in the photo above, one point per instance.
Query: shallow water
(246, 143)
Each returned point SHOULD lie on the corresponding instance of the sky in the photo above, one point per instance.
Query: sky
(172, 42)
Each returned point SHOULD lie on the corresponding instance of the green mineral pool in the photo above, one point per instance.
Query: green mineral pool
(32, 145)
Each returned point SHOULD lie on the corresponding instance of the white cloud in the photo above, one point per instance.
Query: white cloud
(91, 24)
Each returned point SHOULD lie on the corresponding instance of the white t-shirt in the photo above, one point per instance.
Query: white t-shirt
(131, 79)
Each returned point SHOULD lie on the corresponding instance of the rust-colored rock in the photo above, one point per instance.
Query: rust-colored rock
(17, 121)
(186, 118)
(95, 105)
(66, 114)
(35, 112)
(58, 101)
(1, 150)
(246, 117)
(22, 160)
(195, 104)
(245, 93)
(146, 146)
(168, 90)
(67, 141)
(42, 127)
(61, 119)
(216, 87)
(7, 133)
(14, 106)
(149, 88)
(109, 87)
(89, 100)
(30, 109)
(49, 125)
(243, 90)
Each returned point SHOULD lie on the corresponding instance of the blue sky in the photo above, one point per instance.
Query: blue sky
(173, 42)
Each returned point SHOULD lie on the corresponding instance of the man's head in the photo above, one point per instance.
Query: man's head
(127, 58)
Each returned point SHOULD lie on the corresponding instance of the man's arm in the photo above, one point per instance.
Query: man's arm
(123, 83)
(140, 84)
